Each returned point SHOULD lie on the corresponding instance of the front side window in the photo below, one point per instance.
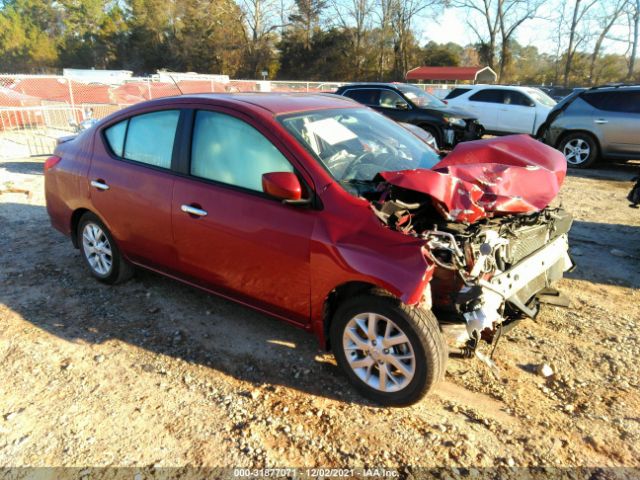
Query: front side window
(420, 98)
(512, 97)
(355, 144)
(228, 150)
(541, 97)
(390, 99)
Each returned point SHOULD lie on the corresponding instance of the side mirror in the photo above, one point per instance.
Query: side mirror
(282, 185)
(402, 106)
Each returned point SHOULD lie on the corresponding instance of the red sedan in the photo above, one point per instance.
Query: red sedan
(323, 213)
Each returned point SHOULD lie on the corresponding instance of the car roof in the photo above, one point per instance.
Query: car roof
(275, 103)
(611, 88)
(376, 85)
(503, 87)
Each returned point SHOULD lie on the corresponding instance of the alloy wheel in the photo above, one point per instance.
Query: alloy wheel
(379, 352)
(576, 151)
(97, 249)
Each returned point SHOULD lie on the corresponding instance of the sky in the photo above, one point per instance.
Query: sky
(452, 27)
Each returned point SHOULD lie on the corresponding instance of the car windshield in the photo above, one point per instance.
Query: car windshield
(541, 97)
(420, 97)
(357, 144)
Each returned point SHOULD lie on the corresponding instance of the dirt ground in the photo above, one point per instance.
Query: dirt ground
(153, 373)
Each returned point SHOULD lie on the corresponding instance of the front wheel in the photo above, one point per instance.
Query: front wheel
(391, 352)
(580, 150)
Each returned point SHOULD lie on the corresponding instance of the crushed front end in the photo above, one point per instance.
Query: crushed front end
(497, 245)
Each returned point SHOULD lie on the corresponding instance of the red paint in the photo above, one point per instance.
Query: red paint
(51, 162)
(498, 176)
(282, 185)
(281, 259)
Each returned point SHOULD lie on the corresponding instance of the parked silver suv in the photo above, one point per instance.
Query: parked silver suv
(598, 123)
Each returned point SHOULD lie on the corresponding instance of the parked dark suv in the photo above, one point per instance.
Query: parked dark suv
(598, 123)
(444, 125)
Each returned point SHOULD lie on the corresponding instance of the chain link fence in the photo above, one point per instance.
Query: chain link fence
(36, 110)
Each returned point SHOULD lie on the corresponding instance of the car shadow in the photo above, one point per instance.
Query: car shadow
(27, 168)
(616, 171)
(43, 279)
(605, 253)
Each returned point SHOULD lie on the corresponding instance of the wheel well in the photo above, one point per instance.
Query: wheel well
(75, 220)
(566, 133)
(338, 295)
(433, 128)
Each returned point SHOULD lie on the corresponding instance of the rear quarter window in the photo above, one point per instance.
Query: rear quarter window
(456, 92)
(115, 137)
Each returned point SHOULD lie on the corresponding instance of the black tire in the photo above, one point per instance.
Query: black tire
(423, 332)
(120, 270)
(578, 138)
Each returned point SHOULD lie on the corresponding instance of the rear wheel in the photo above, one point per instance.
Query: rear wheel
(580, 150)
(392, 353)
(100, 252)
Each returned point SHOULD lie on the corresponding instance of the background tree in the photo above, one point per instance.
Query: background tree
(511, 15)
(442, 55)
(580, 10)
(633, 13)
(262, 20)
(29, 35)
(487, 34)
(307, 17)
(608, 15)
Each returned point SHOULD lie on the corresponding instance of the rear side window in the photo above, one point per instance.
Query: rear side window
(456, 92)
(367, 96)
(145, 138)
(228, 150)
(490, 95)
(150, 138)
(618, 101)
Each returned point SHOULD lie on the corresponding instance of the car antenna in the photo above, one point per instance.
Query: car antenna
(176, 84)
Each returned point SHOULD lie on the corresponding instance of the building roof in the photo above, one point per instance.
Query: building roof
(447, 73)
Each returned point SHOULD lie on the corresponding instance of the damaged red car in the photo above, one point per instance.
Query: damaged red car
(325, 214)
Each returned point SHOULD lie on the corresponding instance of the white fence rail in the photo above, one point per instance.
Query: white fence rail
(35, 110)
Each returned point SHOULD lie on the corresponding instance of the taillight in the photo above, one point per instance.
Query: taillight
(51, 162)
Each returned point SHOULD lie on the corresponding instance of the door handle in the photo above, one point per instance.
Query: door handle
(198, 212)
(99, 184)
(600, 121)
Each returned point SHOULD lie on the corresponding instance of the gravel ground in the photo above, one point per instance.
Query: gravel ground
(153, 373)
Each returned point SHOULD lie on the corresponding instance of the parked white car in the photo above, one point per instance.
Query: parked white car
(503, 109)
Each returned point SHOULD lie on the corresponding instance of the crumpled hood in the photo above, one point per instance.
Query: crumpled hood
(483, 178)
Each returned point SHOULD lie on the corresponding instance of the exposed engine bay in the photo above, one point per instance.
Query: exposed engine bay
(496, 266)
